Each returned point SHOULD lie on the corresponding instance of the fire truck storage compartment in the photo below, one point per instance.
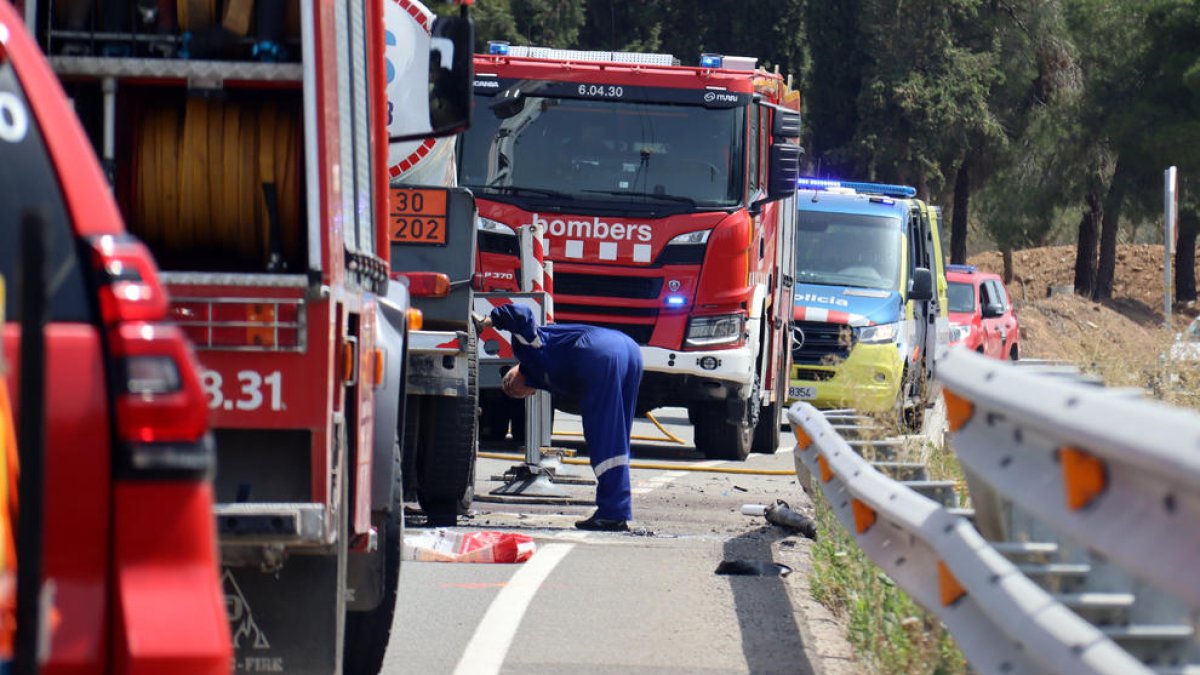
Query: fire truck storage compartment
(210, 183)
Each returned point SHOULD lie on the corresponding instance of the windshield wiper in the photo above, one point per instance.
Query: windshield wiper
(519, 190)
(666, 198)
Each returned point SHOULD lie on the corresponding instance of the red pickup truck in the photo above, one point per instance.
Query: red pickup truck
(128, 539)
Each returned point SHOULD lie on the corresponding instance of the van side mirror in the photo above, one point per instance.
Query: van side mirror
(920, 287)
(783, 170)
(430, 77)
(992, 310)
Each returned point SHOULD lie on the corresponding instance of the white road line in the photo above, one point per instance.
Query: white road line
(489, 645)
(664, 479)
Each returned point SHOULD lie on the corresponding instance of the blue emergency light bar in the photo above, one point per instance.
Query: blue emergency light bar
(676, 300)
(711, 60)
(498, 48)
(968, 269)
(902, 191)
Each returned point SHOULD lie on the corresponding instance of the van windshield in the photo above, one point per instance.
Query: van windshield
(961, 297)
(615, 151)
(840, 249)
(29, 185)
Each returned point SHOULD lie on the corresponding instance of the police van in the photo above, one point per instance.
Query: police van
(870, 298)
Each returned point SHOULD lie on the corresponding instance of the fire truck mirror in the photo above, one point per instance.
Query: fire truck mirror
(784, 170)
(430, 76)
(451, 75)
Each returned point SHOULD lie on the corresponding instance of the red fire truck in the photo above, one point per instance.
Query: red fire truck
(249, 152)
(666, 196)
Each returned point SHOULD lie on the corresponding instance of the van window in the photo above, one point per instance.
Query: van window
(998, 294)
(29, 184)
(961, 296)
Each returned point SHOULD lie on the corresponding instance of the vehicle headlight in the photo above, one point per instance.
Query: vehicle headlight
(960, 333)
(493, 226)
(700, 237)
(685, 249)
(884, 332)
(707, 331)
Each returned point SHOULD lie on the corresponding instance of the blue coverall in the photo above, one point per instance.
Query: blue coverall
(601, 369)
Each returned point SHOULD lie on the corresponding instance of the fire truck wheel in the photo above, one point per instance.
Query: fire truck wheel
(766, 432)
(446, 465)
(716, 437)
(368, 632)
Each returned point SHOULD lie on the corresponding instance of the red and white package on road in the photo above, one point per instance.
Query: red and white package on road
(469, 547)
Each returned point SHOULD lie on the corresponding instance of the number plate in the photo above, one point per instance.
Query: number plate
(417, 216)
(802, 393)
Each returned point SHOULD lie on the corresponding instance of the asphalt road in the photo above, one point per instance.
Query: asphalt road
(647, 601)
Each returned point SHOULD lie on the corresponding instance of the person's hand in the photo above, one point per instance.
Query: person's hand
(514, 385)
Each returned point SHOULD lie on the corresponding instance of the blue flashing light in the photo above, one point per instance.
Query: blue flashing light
(711, 60)
(498, 48)
(676, 300)
(900, 191)
(968, 269)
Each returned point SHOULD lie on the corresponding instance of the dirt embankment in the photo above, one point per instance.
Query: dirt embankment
(1072, 328)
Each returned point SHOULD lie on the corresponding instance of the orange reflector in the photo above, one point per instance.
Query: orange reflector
(378, 356)
(415, 319)
(802, 439)
(263, 335)
(1084, 477)
(864, 516)
(348, 361)
(958, 409)
(426, 284)
(949, 587)
(826, 472)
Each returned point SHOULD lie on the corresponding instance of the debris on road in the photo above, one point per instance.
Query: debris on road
(443, 545)
(782, 515)
(753, 568)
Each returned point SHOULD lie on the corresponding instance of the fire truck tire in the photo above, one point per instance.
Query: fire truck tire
(716, 437)
(367, 633)
(766, 432)
(446, 465)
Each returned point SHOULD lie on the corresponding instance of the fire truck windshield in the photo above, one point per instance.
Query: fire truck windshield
(840, 249)
(620, 152)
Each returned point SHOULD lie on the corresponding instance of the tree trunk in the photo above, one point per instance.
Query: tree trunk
(1085, 249)
(1006, 255)
(1110, 224)
(958, 222)
(1185, 256)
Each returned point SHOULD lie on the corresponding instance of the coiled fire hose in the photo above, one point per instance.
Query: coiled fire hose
(218, 179)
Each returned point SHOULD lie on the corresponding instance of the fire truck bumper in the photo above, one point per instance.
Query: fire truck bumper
(437, 363)
(728, 366)
(272, 524)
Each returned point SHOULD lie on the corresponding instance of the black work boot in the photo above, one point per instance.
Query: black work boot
(602, 524)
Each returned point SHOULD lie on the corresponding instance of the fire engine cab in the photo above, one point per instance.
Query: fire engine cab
(665, 195)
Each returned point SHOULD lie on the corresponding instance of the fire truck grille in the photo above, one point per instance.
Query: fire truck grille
(818, 343)
(601, 285)
(563, 308)
(638, 332)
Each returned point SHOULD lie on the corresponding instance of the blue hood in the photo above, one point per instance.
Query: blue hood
(877, 306)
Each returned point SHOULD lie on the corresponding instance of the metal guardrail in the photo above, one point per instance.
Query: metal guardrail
(1085, 547)
(1002, 621)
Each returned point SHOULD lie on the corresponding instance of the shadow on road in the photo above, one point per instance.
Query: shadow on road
(771, 639)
